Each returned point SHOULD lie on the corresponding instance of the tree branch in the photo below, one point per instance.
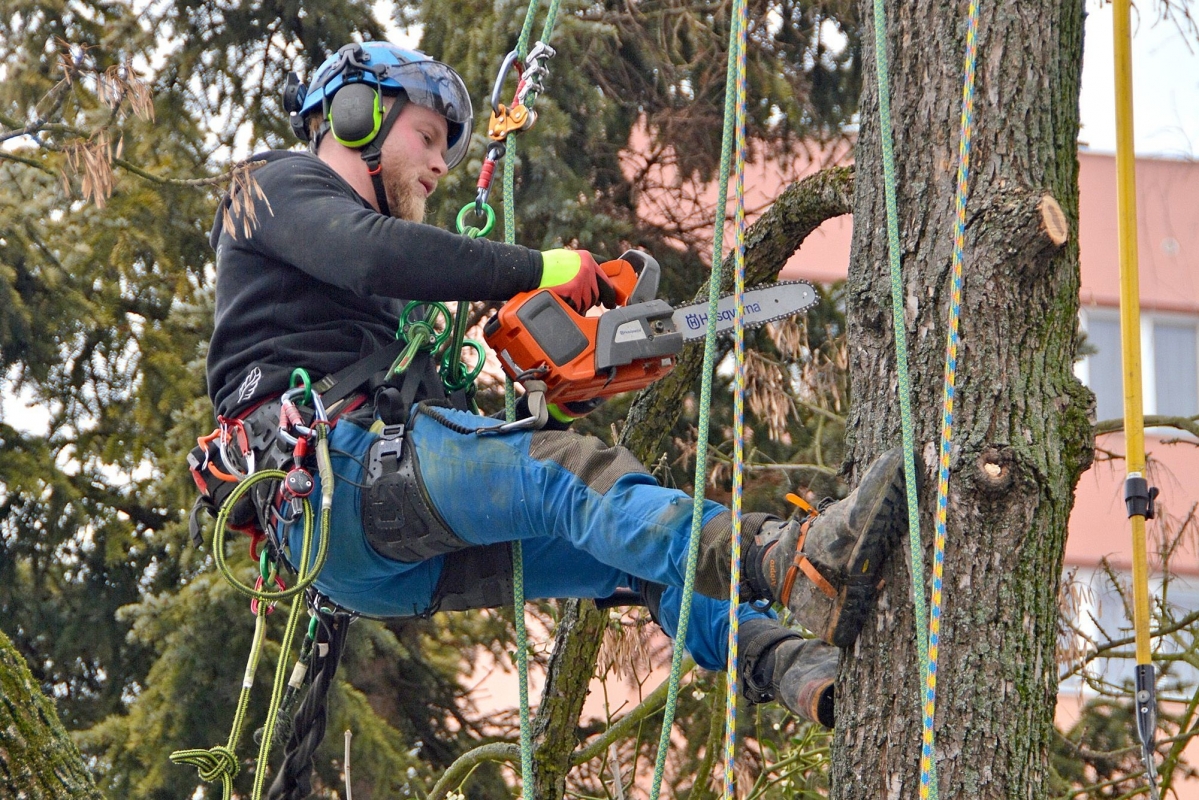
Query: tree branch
(503, 752)
(57, 95)
(509, 753)
(769, 242)
(651, 705)
(29, 162)
(1188, 424)
(1113, 644)
(568, 678)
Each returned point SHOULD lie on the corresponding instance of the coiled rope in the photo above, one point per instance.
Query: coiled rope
(220, 763)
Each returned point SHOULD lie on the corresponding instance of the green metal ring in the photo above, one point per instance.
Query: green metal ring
(471, 231)
(302, 375)
(436, 309)
(465, 377)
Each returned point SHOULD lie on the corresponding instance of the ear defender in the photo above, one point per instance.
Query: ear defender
(355, 114)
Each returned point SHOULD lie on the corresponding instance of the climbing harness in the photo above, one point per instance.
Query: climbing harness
(220, 763)
(227, 477)
(1139, 496)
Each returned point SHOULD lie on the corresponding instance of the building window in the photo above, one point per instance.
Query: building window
(1177, 368)
(1169, 363)
(1105, 376)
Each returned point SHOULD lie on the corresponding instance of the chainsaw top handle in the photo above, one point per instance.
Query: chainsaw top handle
(634, 276)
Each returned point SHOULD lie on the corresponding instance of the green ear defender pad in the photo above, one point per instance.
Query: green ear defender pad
(355, 114)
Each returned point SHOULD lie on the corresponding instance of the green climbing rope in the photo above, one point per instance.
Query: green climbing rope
(927, 630)
(518, 561)
(220, 763)
(916, 550)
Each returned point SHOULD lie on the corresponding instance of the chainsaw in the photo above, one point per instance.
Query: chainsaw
(539, 337)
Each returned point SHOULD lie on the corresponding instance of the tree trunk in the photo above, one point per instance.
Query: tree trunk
(1022, 436)
(567, 682)
(38, 760)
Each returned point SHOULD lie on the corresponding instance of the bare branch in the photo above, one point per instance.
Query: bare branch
(1188, 424)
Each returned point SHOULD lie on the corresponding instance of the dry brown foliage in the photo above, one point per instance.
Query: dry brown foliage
(627, 649)
(91, 159)
(119, 83)
(244, 194)
(766, 391)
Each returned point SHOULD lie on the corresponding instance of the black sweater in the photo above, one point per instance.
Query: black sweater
(318, 283)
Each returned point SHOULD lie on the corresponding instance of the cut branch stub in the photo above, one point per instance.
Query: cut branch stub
(1053, 221)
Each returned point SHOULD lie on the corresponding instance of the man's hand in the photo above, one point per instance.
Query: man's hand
(574, 276)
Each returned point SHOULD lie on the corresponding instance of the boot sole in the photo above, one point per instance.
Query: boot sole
(857, 596)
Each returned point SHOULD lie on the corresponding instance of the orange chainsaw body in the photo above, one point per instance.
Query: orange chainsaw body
(537, 335)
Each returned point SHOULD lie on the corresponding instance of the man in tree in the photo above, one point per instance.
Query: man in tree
(429, 496)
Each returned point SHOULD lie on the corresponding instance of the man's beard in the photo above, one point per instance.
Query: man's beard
(407, 201)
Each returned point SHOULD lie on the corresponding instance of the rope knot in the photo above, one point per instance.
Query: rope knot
(216, 764)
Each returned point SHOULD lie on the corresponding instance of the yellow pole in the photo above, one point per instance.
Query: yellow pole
(1137, 494)
(1130, 315)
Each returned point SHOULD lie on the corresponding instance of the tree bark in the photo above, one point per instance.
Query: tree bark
(38, 760)
(1022, 436)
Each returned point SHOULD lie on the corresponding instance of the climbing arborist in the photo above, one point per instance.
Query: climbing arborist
(425, 507)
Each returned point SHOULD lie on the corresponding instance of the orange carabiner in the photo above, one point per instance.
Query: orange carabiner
(804, 505)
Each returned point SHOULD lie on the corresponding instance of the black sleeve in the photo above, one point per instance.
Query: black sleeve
(318, 223)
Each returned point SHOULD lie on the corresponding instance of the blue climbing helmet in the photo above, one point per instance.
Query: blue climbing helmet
(361, 73)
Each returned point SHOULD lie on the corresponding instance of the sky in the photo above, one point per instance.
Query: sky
(1165, 94)
(1165, 110)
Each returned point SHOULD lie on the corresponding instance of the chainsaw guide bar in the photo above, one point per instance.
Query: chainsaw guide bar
(762, 305)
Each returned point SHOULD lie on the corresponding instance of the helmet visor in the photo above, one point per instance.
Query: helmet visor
(439, 88)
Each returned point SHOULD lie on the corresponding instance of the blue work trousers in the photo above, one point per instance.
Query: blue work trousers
(589, 525)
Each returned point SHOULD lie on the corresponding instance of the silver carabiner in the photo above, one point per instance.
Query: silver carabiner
(223, 448)
(498, 87)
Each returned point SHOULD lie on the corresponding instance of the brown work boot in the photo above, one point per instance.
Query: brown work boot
(778, 664)
(825, 568)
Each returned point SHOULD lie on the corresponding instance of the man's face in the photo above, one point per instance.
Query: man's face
(413, 160)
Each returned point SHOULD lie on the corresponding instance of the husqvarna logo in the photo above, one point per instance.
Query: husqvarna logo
(249, 385)
(695, 321)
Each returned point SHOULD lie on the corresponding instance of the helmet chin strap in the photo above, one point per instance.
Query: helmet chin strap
(372, 154)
